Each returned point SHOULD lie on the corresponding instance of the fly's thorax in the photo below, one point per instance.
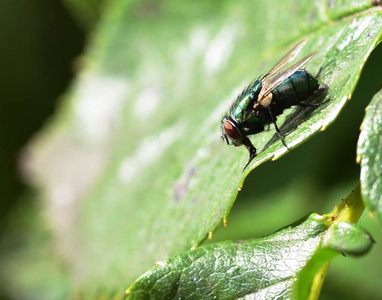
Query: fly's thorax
(241, 111)
(255, 119)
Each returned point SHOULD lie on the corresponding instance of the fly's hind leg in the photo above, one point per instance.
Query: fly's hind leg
(313, 104)
(319, 72)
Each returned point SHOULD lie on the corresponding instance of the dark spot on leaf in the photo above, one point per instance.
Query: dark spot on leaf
(370, 34)
(330, 3)
(182, 185)
(238, 241)
(313, 16)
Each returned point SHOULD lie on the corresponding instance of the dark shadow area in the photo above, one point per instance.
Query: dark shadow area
(39, 41)
(335, 291)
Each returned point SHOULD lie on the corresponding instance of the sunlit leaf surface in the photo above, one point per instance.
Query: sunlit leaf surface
(264, 268)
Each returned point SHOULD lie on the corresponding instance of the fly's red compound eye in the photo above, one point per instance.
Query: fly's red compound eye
(231, 131)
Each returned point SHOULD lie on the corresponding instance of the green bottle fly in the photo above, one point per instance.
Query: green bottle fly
(263, 100)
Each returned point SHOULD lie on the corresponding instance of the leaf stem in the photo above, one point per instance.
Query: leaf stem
(349, 210)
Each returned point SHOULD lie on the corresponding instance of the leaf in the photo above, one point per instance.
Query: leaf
(349, 237)
(265, 268)
(369, 154)
(342, 236)
(132, 168)
(86, 12)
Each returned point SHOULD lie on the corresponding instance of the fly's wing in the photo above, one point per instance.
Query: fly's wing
(271, 81)
(287, 58)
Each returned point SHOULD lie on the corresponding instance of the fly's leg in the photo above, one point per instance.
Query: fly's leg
(313, 104)
(277, 128)
(319, 72)
(247, 143)
(251, 149)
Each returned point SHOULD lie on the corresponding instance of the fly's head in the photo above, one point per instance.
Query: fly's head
(233, 134)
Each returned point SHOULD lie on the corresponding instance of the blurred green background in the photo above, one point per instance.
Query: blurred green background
(40, 41)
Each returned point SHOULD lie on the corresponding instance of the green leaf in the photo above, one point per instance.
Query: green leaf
(265, 268)
(86, 12)
(349, 238)
(369, 154)
(289, 264)
(132, 168)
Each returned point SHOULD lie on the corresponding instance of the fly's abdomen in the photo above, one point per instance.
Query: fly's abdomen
(298, 87)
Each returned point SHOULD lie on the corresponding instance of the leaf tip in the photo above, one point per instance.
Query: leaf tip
(128, 292)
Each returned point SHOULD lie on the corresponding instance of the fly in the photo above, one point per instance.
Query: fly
(264, 99)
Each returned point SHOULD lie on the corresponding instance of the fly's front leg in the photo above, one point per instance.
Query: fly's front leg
(251, 149)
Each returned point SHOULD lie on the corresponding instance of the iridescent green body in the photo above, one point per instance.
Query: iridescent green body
(296, 88)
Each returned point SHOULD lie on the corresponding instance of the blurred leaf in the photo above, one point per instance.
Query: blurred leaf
(86, 12)
(264, 268)
(369, 154)
(132, 167)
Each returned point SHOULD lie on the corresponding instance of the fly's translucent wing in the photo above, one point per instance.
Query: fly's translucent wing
(271, 81)
(287, 58)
